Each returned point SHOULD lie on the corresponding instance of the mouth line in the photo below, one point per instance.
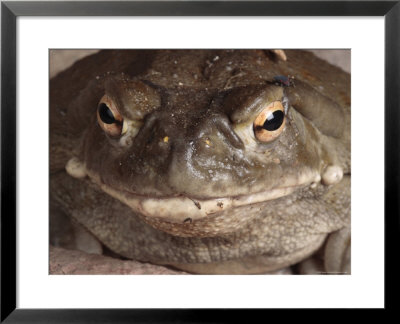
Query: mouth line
(178, 209)
(182, 208)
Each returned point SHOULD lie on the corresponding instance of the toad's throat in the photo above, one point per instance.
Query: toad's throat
(180, 209)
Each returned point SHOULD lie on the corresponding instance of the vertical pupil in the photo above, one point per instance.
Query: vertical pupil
(274, 120)
(106, 114)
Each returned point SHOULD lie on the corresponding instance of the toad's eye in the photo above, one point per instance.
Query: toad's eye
(109, 118)
(270, 122)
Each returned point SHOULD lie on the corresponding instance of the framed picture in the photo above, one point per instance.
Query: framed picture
(34, 33)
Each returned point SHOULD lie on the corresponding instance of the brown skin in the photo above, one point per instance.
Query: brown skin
(248, 206)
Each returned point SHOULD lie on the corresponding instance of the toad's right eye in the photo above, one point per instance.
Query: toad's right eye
(106, 114)
(109, 118)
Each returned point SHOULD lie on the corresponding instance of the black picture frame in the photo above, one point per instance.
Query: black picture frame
(11, 10)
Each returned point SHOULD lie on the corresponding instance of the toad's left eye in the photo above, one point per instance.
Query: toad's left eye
(109, 118)
(270, 123)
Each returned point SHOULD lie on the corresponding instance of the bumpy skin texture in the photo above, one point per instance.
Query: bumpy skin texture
(189, 185)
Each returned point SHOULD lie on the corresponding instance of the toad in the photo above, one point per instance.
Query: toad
(199, 160)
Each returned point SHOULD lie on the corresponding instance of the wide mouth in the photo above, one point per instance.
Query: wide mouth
(181, 208)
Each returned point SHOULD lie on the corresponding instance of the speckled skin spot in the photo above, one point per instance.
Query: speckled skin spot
(253, 207)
